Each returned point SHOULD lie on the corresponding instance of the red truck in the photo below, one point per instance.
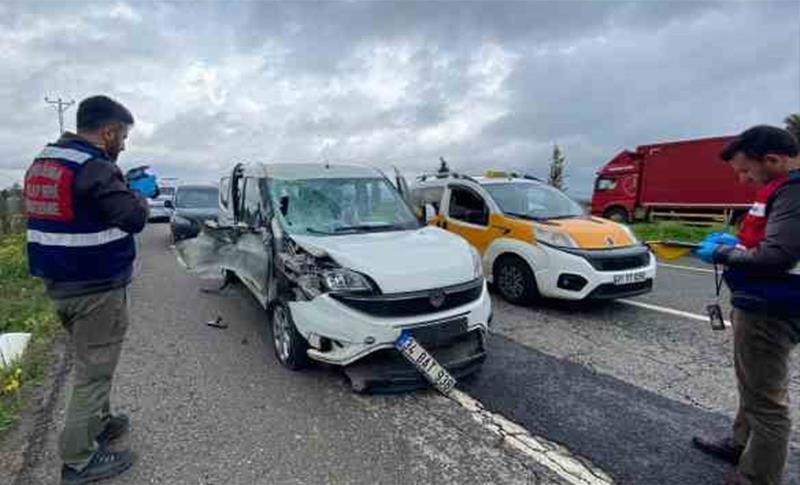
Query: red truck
(679, 180)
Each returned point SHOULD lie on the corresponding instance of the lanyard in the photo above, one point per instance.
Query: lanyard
(717, 279)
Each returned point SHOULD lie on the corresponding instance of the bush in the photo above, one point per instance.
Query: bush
(673, 231)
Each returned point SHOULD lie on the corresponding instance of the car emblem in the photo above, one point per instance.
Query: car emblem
(609, 241)
(437, 298)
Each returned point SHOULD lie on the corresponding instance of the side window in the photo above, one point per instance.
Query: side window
(467, 206)
(252, 202)
(224, 190)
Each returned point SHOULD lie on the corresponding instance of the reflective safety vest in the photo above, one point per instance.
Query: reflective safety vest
(750, 291)
(66, 240)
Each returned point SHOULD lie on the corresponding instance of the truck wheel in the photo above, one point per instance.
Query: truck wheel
(617, 214)
(515, 281)
(290, 347)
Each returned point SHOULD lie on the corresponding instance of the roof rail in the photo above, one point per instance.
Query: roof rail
(510, 175)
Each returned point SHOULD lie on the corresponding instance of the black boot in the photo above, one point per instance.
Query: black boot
(725, 449)
(117, 425)
(104, 464)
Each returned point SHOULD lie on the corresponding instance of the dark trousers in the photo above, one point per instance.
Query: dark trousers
(762, 347)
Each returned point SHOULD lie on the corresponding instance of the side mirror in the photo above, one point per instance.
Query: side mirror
(168, 204)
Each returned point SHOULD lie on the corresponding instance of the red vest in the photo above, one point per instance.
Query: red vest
(754, 227)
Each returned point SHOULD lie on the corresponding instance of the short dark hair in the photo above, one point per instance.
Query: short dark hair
(760, 141)
(98, 111)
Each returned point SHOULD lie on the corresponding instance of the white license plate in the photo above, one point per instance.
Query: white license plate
(628, 278)
(425, 363)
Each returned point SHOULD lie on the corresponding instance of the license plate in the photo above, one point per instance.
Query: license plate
(628, 278)
(425, 363)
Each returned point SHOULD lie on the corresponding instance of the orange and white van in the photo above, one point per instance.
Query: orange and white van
(534, 240)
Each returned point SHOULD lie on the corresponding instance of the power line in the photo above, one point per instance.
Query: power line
(61, 106)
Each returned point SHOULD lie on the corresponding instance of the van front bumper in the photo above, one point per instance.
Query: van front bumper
(574, 274)
(340, 335)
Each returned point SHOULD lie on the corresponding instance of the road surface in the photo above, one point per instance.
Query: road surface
(620, 386)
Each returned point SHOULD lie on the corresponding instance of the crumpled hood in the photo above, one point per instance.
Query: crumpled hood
(399, 261)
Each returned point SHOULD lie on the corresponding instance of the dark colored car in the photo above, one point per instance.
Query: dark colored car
(192, 206)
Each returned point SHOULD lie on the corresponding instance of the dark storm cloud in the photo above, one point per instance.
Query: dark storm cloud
(486, 84)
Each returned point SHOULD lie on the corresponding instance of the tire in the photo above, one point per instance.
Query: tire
(617, 214)
(290, 347)
(515, 281)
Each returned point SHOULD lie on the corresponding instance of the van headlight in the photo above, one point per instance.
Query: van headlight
(477, 264)
(341, 279)
(554, 237)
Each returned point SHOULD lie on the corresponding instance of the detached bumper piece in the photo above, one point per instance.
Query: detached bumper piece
(610, 291)
(386, 371)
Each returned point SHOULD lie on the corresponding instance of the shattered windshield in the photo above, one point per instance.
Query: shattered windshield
(534, 201)
(328, 206)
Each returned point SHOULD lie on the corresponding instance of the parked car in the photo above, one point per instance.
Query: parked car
(343, 268)
(159, 212)
(534, 240)
(191, 207)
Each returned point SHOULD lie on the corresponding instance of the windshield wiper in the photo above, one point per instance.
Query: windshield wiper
(311, 230)
(367, 228)
(525, 216)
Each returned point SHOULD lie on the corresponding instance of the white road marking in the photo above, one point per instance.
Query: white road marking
(668, 310)
(686, 268)
(553, 456)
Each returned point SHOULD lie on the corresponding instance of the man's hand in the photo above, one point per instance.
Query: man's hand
(723, 238)
(143, 180)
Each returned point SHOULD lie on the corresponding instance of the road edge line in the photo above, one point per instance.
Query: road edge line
(555, 457)
(686, 268)
(668, 310)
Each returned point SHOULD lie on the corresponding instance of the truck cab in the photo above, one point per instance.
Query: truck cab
(341, 265)
(616, 188)
(534, 240)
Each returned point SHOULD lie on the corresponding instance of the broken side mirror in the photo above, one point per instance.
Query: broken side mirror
(168, 204)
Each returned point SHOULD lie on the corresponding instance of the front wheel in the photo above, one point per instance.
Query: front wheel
(515, 281)
(290, 347)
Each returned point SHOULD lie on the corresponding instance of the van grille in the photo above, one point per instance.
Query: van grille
(414, 303)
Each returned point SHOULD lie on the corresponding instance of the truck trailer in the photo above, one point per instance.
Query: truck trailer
(684, 180)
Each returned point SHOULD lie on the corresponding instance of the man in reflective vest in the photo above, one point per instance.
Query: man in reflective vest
(763, 274)
(81, 221)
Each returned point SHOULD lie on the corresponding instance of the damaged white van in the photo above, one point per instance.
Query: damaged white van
(343, 268)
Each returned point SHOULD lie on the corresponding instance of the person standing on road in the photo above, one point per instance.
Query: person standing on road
(763, 274)
(81, 221)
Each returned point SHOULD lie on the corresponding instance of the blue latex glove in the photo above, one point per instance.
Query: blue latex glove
(707, 251)
(143, 180)
(724, 238)
(147, 186)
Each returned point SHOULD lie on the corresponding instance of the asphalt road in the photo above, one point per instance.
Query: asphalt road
(621, 386)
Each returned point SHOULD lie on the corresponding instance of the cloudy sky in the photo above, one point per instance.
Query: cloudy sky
(484, 84)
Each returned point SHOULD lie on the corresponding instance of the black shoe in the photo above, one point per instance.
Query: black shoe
(725, 449)
(104, 464)
(117, 425)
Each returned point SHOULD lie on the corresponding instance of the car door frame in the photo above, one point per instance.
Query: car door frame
(254, 245)
(445, 221)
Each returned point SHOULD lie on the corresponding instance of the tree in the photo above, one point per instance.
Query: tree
(443, 168)
(793, 124)
(557, 166)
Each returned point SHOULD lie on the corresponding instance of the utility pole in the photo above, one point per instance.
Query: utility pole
(61, 106)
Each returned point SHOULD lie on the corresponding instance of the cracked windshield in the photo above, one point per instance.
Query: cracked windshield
(463, 242)
(335, 206)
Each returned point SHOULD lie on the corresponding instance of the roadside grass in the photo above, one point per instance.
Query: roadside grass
(673, 231)
(24, 307)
